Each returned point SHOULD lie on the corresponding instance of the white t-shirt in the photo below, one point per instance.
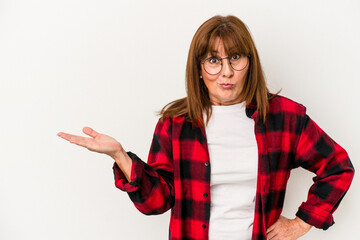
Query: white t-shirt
(234, 164)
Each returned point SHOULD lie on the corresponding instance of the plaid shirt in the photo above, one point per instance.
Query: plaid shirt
(177, 173)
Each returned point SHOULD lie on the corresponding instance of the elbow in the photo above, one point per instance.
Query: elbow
(154, 204)
(348, 173)
(153, 210)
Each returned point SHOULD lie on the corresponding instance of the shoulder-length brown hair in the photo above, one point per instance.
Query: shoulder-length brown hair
(236, 39)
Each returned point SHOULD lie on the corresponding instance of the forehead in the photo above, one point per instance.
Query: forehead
(220, 46)
(217, 47)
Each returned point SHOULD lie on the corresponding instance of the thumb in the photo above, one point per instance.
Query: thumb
(89, 131)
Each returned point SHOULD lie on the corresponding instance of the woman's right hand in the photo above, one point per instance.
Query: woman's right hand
(98, 142)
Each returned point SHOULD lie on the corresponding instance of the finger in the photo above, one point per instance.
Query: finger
(270, 228)
(65, 136)
(271, 235)
(91, 132)
(81, 141)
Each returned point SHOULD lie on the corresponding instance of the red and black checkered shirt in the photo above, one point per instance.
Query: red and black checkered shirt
(177, 173)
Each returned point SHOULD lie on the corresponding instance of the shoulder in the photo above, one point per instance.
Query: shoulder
(166, 119)
(281, 104)
(167, 124)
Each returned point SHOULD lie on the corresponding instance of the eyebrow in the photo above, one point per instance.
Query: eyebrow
(232, 51)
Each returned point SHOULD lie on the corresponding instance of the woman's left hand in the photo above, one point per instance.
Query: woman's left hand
(287, 229)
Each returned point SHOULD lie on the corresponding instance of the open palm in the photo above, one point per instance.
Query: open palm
(98, 142)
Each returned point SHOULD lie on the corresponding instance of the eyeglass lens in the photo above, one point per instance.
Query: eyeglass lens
(213, 65)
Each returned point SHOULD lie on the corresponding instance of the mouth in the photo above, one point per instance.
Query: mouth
(226, 85)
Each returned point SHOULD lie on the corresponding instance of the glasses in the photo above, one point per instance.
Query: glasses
(213, 65)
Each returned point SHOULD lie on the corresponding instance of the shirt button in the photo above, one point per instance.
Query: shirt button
(205, 194)
(207, 164)
(203, 226)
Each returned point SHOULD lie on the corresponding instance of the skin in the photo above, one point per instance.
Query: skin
(287, 229)
(217, 94)
(284, 228)
(102, 143)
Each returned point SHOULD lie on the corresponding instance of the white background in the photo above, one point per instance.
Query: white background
(111, 64)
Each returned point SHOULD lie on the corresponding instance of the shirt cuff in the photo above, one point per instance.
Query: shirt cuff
(137, 169)
(315, 216)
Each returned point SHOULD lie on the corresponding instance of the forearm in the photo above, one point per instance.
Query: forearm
(150, 184)
(151, 190)
(319, 153)
(124, 162)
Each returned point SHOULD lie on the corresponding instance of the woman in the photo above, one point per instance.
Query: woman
(250, 139)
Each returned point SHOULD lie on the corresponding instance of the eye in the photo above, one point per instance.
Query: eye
(235, 57)
(213, 60)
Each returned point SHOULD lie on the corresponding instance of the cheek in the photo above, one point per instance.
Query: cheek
(210, 84)
(207, 76)
(241, 77)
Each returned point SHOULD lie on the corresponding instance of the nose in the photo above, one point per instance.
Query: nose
(226, 70)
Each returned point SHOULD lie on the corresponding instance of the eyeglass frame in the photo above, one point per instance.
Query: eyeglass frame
(248, 56)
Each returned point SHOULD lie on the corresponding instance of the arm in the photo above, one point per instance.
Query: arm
(151, 188)
(320, 154)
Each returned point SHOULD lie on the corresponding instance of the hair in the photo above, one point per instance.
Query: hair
(236, 38)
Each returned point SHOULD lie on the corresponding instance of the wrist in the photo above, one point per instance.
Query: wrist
(304, 225)
(124, 162)
(119, 155)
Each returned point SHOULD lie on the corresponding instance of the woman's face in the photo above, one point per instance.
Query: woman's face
(219, 93)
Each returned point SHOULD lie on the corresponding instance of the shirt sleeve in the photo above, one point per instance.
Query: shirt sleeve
(151, 188)
(320, 154)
